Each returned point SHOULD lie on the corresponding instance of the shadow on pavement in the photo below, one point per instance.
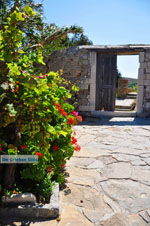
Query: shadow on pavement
(116, 121)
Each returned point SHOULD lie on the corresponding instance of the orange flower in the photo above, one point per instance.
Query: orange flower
(79, 118)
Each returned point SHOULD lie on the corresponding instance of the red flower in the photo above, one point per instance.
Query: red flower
(62, 111)
(79, 118)
(55, 148)
(1, 148)
(39, 154)
(23, 146)
(73, 140)
(77, 148)
(58, 106)
(70, 121)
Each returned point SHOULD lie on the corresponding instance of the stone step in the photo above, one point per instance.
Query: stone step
(120, 107)
(125, 104)
(131, 95)
(123, 109)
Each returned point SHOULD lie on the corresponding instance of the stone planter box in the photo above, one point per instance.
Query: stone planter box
(22, 207)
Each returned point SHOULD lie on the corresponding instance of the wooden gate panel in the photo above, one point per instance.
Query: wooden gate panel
(106, 82)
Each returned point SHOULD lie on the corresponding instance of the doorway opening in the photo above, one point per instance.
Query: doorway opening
(127, 83)
(114, 94)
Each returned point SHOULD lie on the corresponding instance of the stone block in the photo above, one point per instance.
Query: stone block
(148, 64)
(141, 57)
(147, 55)
(148, 89)
(84, 57)
(147, 105)
(84, 62)
(147, 70)
(84, 108)
(19, 198)
(146, 82)
(140, 71)
(147, 76)
(140, 80)
(34, 212)
(143, 65)
(140, 99)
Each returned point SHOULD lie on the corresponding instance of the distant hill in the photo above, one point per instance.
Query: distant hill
(132, 81)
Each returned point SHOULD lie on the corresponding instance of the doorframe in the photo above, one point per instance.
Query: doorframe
(140, 93)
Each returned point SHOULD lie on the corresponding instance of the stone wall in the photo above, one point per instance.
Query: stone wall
(79, 66)
(75, 63)
(144, 83)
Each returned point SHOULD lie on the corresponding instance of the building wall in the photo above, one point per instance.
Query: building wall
(76, 67)
(79, 66)
(143, 102)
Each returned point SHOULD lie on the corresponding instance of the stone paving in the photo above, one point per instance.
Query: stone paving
(108, 181)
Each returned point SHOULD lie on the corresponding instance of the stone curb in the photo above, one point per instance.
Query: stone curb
(38, 211)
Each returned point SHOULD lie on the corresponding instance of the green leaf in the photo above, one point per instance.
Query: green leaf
(63, 133)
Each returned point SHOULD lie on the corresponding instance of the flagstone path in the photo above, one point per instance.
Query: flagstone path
(108, 181)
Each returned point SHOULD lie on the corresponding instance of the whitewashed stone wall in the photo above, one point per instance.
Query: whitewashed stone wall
(143, 101)
(75, 64)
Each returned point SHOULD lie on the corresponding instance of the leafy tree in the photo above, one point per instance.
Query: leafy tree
(36, 32)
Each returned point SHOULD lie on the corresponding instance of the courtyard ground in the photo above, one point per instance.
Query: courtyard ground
(108, 181)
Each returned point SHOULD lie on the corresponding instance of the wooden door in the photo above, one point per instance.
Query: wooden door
(106, 82)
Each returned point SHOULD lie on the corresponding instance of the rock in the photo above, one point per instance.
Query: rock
(145, 216)
(141, 175)
(34, 211)
(19, 199)
(135, 220)
(83, 196)
(131, 196)
(80, 162)
(71, 216)
(88, 151)
(98, 215)
(96, 164)
(116, 220)
(117, 170)
(86, 177)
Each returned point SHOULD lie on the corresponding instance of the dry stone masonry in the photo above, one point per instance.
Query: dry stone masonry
(80, 66)
(144, 82)
(75, 64)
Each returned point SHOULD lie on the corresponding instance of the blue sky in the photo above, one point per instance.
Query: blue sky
(106, 22)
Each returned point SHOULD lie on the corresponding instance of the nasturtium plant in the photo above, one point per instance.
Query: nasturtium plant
(35, 115)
